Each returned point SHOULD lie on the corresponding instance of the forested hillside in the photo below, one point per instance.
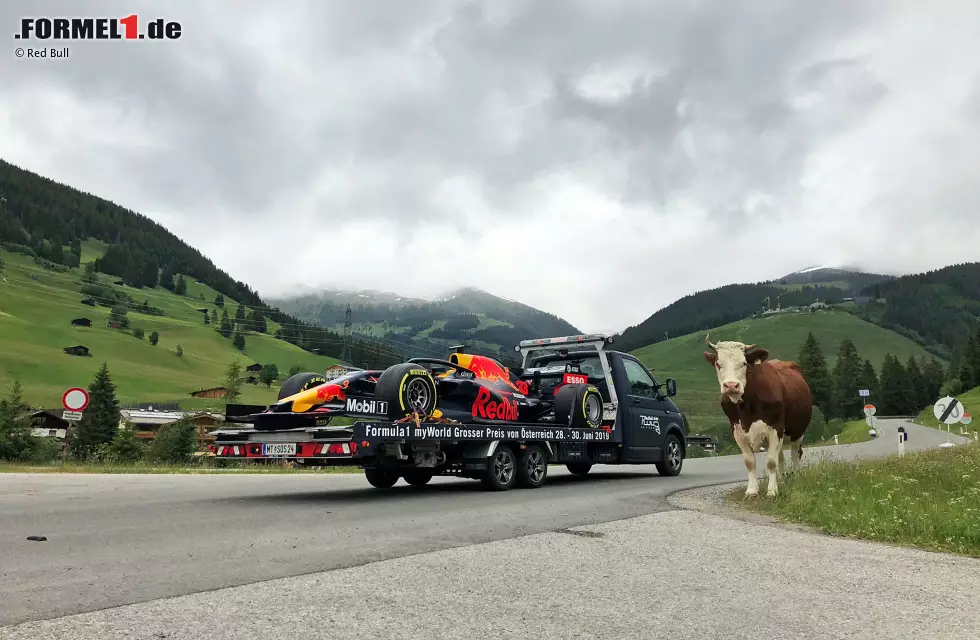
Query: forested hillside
(704, 309)
(938, 309)
(50, 221)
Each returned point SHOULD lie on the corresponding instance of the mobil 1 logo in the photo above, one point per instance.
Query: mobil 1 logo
(367, 407)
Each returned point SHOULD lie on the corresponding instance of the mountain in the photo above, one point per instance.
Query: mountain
(714, 307)
(50, 222)
(470, 316)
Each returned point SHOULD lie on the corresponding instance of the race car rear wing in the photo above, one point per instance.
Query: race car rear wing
(240, 412)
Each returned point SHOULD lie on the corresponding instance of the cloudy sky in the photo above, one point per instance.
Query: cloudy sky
(594, 158)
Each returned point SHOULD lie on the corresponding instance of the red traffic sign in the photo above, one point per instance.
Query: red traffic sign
(966, 419)
(869, 410)
(75, 399)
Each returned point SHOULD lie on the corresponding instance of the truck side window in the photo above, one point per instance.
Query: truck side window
(641, 384)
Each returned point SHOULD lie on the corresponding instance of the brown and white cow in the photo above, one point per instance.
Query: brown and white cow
(762, 398)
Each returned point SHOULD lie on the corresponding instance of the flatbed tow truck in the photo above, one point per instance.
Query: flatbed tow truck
(613, 411)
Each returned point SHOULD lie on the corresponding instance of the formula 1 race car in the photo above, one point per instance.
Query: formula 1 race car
(465, 388)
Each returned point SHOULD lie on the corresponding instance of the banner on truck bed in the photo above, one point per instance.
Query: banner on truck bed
(408, 431)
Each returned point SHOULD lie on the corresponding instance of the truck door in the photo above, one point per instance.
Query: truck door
(644, 415)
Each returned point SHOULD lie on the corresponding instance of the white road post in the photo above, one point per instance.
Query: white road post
(901, 441)
(975, 437)
(836, 439)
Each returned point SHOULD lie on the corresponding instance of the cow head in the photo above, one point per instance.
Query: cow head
(732, 361)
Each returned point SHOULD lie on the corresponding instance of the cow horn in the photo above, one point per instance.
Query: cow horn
(707, 340)
(747, 347)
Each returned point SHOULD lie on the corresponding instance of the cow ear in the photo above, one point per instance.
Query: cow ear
(756, 355)
(710, 356)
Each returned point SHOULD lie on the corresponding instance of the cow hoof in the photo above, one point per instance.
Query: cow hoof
(770, 494)
(754, 494)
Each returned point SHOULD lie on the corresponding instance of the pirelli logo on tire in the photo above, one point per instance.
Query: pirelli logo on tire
(367, 407)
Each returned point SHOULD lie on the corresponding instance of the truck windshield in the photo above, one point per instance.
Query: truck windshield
(552, 364)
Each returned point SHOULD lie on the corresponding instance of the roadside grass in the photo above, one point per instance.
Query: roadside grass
(192, 468)
(854, 431)
(926, 499)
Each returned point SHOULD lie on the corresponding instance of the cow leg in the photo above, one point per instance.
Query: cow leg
(796, 452)
(773, 455)
(741, 438)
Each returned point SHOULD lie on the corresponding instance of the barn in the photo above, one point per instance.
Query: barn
(77, 350)
(213, 392)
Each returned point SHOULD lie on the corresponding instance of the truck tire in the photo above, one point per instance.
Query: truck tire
(381, 478)
(532, 467)
(673, 456)
(578, 406)
(405, 387)
(417, 477)
(578, 468)
(300, 382)
(501, 473)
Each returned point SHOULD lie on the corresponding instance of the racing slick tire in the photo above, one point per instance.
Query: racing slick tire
(673, 456)
(300, 382)
(501, 473)
(417, 477)
(532, 467)
(578, 406)
(578, 468)
(381, 478)
(407, 387)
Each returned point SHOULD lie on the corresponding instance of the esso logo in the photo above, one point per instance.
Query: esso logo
(575, 378)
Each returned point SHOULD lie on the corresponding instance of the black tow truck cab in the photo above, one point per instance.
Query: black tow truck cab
(640, 425)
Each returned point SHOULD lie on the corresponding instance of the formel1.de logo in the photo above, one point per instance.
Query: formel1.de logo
(128, 28)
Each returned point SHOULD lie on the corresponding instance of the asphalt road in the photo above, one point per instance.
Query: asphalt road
(121, 539)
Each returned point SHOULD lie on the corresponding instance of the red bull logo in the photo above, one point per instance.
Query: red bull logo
(488, 369)
(329, 392)
(486, 406)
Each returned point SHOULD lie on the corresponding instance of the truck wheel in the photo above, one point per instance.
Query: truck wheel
(532, 467)
(673, 457)
(417, 478)
(578, 406)
(381, 478)
(300, 382)
(407, 387)
(578, 468)
(501, 473)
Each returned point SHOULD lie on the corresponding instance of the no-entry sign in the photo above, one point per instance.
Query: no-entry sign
(75, 399)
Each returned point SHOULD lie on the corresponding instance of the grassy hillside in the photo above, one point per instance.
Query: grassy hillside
(783, 334)
(37, 306)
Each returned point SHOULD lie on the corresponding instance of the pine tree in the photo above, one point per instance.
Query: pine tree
(57, 252)
(868, 379)
(239, 341)
(219, 300)
(214, 316)
(240, 314)
(225, 329)
(154, 338)
(258, 322)
(917, 381)
(933, 378)
(124, 446)
(846, 401)
(100, 421)
(896, 389)
(76, 248)
(967, 361)
(180, 351)
(207, 319)
(167, 278)
(16, 440)
(181, 287)
(814, 366)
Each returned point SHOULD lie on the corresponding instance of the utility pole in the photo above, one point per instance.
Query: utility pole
(346, 356)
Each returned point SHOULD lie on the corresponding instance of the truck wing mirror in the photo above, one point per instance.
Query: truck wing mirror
(671, 387)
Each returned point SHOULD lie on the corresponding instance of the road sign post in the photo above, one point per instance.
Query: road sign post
(948, 410)
(903, 435)
(74, 400)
